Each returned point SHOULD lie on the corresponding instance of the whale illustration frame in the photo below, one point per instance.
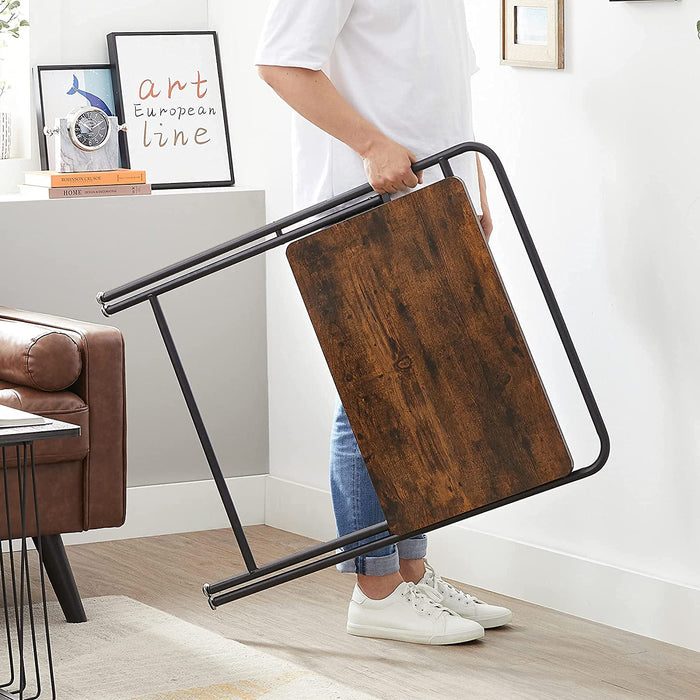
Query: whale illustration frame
(50, 102)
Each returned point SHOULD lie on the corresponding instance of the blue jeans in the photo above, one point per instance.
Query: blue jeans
(356, 504)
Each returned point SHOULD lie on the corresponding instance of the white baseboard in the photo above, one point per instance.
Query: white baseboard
(628, 600)
(183, 507)
(304, 510)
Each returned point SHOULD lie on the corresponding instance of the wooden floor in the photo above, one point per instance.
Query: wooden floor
(543, 654)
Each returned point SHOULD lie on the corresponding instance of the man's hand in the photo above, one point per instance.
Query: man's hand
(388, 167)
(313, 95)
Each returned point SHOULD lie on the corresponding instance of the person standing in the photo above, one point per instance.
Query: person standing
(377, 85)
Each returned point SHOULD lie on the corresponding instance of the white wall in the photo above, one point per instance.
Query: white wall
(604, 158)
(299, 385)
(260, 134)
(260, 137)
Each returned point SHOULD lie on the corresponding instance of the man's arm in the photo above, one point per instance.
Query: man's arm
(313, 95)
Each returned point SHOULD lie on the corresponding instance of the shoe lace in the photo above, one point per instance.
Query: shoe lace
(425, 600)
(434, 582)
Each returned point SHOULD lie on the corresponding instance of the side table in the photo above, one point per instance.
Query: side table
(24, 679)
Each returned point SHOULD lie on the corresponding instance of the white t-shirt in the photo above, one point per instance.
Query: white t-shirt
(404, 65)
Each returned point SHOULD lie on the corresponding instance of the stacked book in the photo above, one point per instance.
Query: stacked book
(49, 184)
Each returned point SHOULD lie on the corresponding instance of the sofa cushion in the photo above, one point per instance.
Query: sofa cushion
(58, 405)
(38, 356)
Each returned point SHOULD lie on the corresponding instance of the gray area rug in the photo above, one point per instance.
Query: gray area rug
(131, 651)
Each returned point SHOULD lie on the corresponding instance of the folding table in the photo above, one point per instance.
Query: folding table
(425, 350)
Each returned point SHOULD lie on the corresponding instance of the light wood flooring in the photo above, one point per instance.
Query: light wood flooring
(542, 655)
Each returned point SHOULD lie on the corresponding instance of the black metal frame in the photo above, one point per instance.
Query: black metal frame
(150, 287)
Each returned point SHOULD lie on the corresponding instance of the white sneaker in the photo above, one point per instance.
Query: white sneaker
(469, 607)
(409, 615)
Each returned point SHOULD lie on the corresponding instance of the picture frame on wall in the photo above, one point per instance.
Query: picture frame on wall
(532, 33)
(169, 91)
(58, 89)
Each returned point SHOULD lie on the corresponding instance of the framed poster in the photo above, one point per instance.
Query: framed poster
(169, 91)
(60, 89)
(532, 33)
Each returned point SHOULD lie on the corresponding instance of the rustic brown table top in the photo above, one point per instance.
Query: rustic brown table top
(428, 358)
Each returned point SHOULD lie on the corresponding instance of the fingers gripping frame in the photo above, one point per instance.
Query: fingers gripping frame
(359, 200)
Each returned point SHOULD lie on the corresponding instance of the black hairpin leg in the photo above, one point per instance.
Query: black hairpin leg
(24, 678)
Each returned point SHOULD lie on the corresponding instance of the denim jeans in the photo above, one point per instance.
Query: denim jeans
(356, 504)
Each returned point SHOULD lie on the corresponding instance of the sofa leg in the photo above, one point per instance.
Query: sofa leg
(60, 574)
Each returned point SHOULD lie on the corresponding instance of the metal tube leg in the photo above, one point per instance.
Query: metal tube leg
(39, 549)
(305, 555)
(6, 611)
(13, 577)
(203, 436)
(23, 562)
(23, 672)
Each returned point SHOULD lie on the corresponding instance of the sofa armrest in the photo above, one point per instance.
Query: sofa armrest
(103, 388)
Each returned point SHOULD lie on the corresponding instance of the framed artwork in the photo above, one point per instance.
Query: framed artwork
(169, 91)
(60, 89)
(532, 33)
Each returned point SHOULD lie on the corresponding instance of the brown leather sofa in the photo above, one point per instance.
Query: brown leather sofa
(71, 371)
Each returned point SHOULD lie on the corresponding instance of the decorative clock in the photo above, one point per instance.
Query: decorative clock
(87, 140)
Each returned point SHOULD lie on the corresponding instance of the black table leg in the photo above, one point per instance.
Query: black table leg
(24, 674)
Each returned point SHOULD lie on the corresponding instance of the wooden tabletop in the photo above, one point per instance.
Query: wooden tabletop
(428, 357)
